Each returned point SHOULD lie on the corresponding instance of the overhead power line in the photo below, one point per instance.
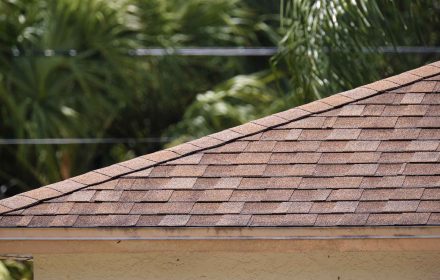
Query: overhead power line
(223, 51)
(70, 141)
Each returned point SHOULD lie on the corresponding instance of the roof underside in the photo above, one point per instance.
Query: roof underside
(366, 157)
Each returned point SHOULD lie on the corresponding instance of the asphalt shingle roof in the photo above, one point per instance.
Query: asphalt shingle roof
(365, 157)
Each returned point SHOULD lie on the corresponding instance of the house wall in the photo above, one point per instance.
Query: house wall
(237, 265)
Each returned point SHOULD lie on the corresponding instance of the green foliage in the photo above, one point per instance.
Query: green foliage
(326, 47)
(329, 46)
(102, 91)
(16, 270)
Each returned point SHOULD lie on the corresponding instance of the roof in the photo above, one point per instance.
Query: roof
(364, 157)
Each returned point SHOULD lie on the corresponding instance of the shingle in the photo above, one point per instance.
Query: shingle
(15, 221)
(381, 85)
(270, 121)
(149, 220)
(434, 219)
(382, 182)
(184, 148)
(310, 195)
(289, 170)
(277, 195)
(114, 170)
(215, 195)
(63, 221)
(401, 206)
(187, 196)
(162, 208)
(336, 100)
(382, 219)
(233, 147)
(248, 170)
(373, 110)
(431, 194)
(161, 156)
(429, 206)
(189, 159)
(107, 195)
(252, 158)
(284, 158)
(422, 181)
(156, 195)
(344, 134)
(313, 134)
(352, 110)
(407, 193)
(336, 182)
(205, 142)
(297, 146)
(187, 170)
(299, 207)
(310, 122)
(390, 169)
(292, 114)
(114, 208)
(370, 206)
(265, 208)
(261, 146)
(230, 207)
(396, 157)
(234, 220)
(263, 183)
(412, 98)
(359, 93)
(203, 220)
(345, 194)
(389, 134)
(248, 128)
(275, 134)
(245, 195)
(334, 207)
(90, 178)
(81, 196)
(226, 135)
(217, 183)
(315, 106)
(252, 137)
(283, 220)
(174, 220)
(413, 218)
(137, 163)
(422, 168)
(377, 194)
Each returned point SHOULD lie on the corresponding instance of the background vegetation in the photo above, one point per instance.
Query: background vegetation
(100, 91)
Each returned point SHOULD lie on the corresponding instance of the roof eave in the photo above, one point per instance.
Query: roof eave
(31, 241)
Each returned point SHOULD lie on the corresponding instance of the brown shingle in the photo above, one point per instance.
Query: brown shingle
(345, 194)
(283, 220)
(306, 157)
(174, 220)
(310, 195)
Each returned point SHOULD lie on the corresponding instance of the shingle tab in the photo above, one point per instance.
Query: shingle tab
(365, 157)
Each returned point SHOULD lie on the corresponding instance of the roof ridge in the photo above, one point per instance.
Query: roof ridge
(117, 170)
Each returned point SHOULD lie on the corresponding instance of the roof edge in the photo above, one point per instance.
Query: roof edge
(202, 233)
(117, 170)
(34, 241)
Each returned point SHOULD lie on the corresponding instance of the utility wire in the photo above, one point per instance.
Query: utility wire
(223, 51)
(70, 141)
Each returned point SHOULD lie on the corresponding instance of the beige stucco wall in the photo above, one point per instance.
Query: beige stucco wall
(235, 265)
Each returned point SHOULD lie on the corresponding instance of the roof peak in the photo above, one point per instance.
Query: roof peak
(115, 171)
